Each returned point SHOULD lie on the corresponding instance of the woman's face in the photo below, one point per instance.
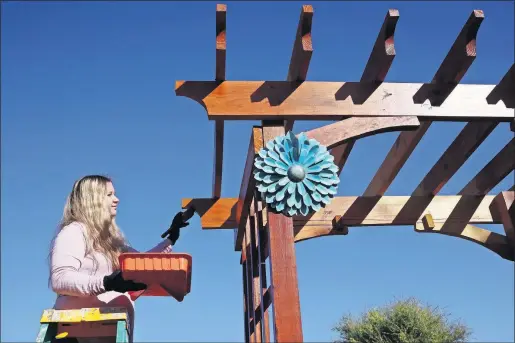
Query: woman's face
(111, 199)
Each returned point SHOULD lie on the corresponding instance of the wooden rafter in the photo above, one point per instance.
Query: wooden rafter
(455, 65)
(301, 52)
(221, 47)
(313, 100)
(494, 172)
(504, 90)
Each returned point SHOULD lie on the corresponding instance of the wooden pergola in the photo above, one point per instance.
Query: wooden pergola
(355, 110)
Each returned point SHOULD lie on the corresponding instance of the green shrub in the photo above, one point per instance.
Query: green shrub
(404, 321)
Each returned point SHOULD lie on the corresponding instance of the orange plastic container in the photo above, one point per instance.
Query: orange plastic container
(165, 274)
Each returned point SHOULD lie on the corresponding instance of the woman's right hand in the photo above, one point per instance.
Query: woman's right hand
(116, 282)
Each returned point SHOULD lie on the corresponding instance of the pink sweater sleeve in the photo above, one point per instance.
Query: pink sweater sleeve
(164, 246)
(67, 257)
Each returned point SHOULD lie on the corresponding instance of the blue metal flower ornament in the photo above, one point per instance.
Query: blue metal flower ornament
(295, 175)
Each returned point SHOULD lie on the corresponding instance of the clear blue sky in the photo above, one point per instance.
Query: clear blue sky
(89, 88)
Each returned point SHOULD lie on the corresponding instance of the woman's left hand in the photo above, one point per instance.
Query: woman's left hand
(175, 228)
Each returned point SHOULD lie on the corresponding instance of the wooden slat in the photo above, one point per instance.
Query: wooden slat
(494, 172)
(375, 71)
(467, 141)
(248, 184)
(455, 65)
(246, 320)
(313, 100)
(341, 154)
(251, 288)
(218, 158)
(262, 252)
(301, 52)
(334, 134)
(221, 42)
(383, 53)
(504, 90)
(255, 273)
(503, 210)
(399, 153)
(283, 266)
(355, 211)
(221, 46)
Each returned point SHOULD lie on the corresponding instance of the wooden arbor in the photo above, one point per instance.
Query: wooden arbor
(358, 109)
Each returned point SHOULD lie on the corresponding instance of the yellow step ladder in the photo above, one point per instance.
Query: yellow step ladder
(85, 322)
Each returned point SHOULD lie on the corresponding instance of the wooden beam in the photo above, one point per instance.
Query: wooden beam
(248, 184)
(221, 46)
(399, 153)
(467, 141)
(283, 265)
(503, 210)
(488, 239)
(343, 131)
(312, 100)
(455, 65)
(383, 53)
(494, 172)
(504, 91)
(356, 211)
(301, 52)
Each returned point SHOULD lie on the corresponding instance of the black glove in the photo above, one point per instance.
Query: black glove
(175, 228)
(116, 282)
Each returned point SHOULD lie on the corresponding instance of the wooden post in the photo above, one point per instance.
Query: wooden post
(283, 264)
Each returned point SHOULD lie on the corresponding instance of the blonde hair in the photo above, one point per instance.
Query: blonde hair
(86, 204)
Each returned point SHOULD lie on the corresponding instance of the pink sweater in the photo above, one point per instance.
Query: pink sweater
(78, 279)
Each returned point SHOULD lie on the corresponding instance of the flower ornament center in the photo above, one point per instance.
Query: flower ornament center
(296, 173)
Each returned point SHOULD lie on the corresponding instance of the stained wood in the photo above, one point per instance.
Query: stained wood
(488, 239)
(493, 173)
(255, 273)
(312, 100)
(357, 211)
(341, 154)
(399, 153)
(221, 45)
(504, 91)
(283, 266)
(503, 209)
(383, 52)
(251, 284)
(301, 52)
(455, 65)
(248, 185)
(218, 158)
(463, 146)
(334, 134)
(261, 312)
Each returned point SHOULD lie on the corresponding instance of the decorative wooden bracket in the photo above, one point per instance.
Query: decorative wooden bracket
(488, 239)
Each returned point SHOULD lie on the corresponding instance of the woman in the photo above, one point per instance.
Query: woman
(84, 267)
